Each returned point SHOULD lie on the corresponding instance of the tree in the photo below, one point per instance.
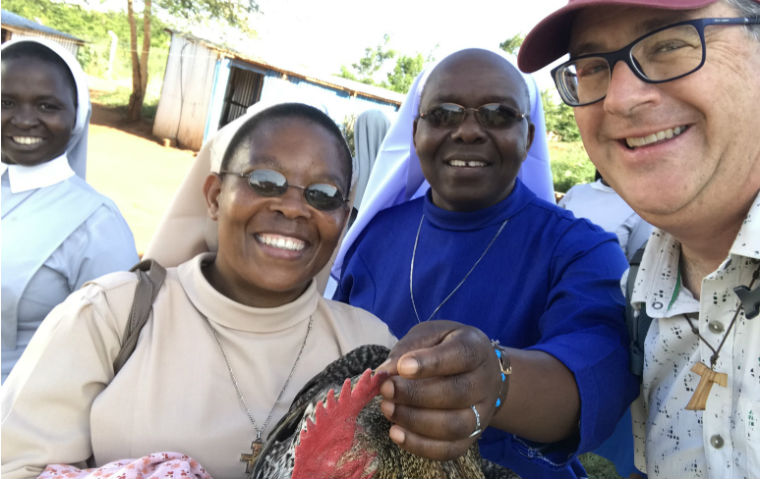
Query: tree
(139, 63)
(559, 118)
(511, 45)
(373, 60)
(232, 12)
(404, 73)
(399, 79)
(92, 26)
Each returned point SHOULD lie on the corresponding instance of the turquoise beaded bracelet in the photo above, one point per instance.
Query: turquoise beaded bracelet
(506, 369)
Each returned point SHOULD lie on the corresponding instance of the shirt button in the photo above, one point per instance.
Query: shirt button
(716, 327)
(716, 441)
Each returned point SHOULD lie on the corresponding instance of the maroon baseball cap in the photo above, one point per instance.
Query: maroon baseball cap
(549, 39)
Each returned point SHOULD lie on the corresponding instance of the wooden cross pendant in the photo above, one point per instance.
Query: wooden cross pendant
(698, 400)
(250, 459)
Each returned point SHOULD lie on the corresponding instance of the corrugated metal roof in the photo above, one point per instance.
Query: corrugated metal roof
(13, 21)
(351, 87)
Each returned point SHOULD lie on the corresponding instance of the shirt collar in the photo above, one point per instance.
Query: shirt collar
(24, 178)
(747, 242)
(658, 283)
(598, 185)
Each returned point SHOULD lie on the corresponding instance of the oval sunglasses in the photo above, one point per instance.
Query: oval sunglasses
(270, 183)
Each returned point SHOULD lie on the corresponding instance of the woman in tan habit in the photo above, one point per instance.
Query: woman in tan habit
(237, 327)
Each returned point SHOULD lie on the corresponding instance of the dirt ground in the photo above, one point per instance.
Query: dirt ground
(127, 164)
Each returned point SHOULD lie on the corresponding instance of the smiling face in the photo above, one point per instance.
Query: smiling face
(684, 153)
(38, 111)
(270, 248)
(470, 166)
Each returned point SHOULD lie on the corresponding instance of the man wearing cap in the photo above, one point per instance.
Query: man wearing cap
(666, 95)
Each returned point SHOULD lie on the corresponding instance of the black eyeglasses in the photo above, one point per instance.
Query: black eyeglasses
(490, 115)
(665, 54)
(322, 196)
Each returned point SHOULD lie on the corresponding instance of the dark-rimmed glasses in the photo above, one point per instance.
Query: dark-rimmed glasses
(665, 54)
(490, 115)
(322, 196)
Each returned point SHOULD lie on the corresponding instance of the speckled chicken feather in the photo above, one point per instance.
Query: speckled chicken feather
(327, 394)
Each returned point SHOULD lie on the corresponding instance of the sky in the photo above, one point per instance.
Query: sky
(323, 35)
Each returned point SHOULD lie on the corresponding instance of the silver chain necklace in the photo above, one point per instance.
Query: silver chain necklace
(411, 270)
(257, 444)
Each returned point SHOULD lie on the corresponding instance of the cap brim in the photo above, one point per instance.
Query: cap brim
(549, 40)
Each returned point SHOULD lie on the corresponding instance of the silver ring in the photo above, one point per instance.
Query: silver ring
(477, 422)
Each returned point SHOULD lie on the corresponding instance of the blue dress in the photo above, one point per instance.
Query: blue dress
(550, 282)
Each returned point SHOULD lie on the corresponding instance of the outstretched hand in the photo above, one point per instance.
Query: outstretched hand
(439, 370)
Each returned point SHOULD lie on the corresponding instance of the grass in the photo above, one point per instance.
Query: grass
(570, 165)
(119, 99)
(598, 467)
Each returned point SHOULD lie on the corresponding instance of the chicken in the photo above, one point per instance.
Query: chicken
(345, 435)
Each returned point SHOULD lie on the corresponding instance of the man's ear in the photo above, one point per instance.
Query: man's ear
(212, 188)
(414, 131)
(531, 133)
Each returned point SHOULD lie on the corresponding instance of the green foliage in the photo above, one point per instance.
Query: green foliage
(93, 27)
(399, 79)
(346, 73)
(570, 165)
(511, 45)
(559, 117)
(347, 127)
(233, 12)
(560, 120)
(404, 73)
(373, 60)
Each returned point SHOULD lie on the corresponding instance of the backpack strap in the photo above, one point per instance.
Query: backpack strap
(637, 321)
(150, 275)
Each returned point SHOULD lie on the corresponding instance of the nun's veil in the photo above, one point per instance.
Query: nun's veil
(369, 131)
(397, 176)
(185, 229)
(76, 150)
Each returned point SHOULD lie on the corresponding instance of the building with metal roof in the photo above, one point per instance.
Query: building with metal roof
(206, 86)
(16, 26)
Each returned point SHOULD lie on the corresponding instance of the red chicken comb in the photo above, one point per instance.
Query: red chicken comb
(324, 444)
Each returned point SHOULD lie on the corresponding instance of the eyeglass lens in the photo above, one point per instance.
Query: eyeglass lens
(491, 115)
(661, 56)
(321, 196)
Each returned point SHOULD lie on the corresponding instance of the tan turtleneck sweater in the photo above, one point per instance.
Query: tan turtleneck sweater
(61, 403)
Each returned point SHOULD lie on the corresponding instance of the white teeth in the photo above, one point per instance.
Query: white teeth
(654, 137)
(282, 242)
(27, 140)
(467, 164)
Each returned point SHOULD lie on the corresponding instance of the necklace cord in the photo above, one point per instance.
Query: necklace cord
(411, 269)
(716, 352)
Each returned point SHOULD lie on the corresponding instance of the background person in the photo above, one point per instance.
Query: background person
(235, 331)
(665, 96)
(601, 205)
(57, 231)
(481, 249)
(369, 131)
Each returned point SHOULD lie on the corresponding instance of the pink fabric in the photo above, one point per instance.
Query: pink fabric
(153, 466)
